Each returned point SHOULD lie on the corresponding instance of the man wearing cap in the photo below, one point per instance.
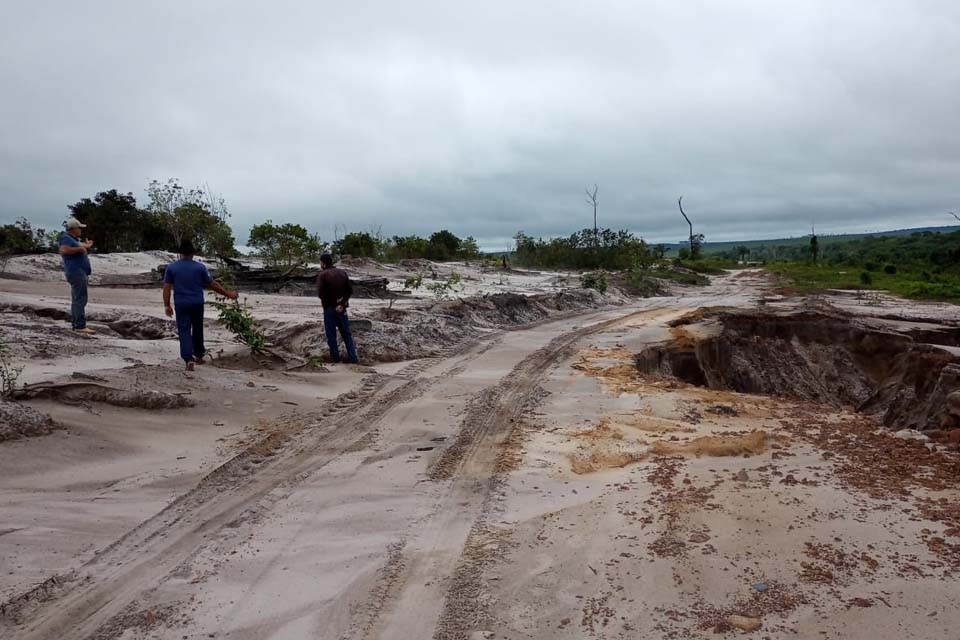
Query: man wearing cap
(76, 267)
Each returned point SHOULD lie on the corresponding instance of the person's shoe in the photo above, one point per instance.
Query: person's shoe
(199, 359)
(189, 366)
(86, 331)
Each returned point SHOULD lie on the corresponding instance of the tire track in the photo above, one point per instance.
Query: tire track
(416, 601)
(77, 604)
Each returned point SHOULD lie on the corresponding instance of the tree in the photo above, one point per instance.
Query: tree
(592, 201)
(358, 245)
(696, 241)
(286, 246)
(21, 237)
(742, 252)
(197, 214)
(469, 249)
(814, 249)
(114, 222)
(696, 246)
(405, 247)
(443, 245)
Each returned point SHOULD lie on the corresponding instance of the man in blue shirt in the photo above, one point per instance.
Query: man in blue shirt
(76, 268)
(187, 279)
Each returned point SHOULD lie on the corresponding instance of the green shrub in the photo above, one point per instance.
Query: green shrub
(8, 372)
(237, 320)
(681, 277)
(596, 280)
(866, 279)
(890, 269)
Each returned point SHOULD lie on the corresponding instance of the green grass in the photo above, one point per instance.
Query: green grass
(807, 278)
(679, 277)
(711, 266)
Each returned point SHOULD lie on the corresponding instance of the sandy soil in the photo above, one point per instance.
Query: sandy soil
(528, 482)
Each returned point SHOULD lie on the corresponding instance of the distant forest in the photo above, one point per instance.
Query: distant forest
(919, 264)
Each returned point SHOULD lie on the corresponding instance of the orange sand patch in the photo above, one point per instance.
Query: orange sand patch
(604, 447)
(751, 443)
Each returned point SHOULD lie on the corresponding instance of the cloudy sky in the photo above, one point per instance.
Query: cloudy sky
(489, 117)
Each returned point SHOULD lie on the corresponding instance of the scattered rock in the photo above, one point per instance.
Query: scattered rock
(698, 537)
(911, 434)
(723, 410)
(20, 421)
(742, 476)
(760, 587)
(744, 623)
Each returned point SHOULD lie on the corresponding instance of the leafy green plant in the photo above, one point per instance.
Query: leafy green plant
(237, 320)
(443, 288)
(596, 280)
(413, 282)
(9, 374)
(866, 278)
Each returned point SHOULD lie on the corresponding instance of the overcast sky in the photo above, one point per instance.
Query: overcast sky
(490, 117)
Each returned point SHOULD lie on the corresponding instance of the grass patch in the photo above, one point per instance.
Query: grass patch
(712, 267)
(681, 277)
(808, 278)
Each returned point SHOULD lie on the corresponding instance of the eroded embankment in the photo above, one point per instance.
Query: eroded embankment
(820, 355)
(391, 335)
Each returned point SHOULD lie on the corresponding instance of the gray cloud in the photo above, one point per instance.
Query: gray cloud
(492, 117)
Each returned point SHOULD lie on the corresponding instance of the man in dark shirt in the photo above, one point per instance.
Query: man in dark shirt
(334, 289)
(187, 279)
(76, 268)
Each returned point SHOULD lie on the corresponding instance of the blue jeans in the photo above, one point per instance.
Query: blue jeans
(333, 321)
(78, 299)
(190, 330)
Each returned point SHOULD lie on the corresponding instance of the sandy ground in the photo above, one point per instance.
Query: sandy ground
(529, 483)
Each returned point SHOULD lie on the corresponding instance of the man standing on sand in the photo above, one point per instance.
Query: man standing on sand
(334, 290)
(187, 279)
(76, 268)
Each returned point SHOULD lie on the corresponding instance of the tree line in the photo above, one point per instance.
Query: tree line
(116, 223)
(588, 249)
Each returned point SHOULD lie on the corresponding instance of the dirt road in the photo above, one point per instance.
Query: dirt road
(528, 484)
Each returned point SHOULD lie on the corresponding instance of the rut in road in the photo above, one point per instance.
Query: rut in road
(431, 596)
(78, 604)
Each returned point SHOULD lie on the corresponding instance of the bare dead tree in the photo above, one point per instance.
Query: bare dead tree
(592, 201)
(690, 224)
(954, 215)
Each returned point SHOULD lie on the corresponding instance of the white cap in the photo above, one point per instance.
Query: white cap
(73, 223)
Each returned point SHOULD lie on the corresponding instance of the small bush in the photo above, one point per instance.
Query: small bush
(413, 282)
(238, 321)
(8, 372)
(890, 269)
(681, 277)
(871, 266)
(596, 280)
(866, 279)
